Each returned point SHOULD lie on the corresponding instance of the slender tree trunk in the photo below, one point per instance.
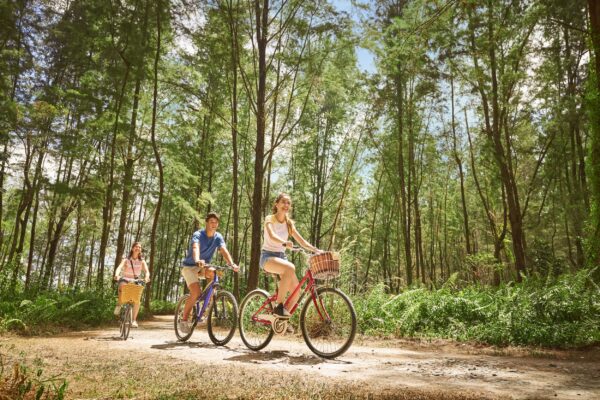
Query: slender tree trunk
(460, 170)
(262, 17)
(107, 209)
(375, 208)
(404, 212)
(161, 184)
(234, 142)
(88, 280)
(127, 176)
(73, 271)
(32, 241)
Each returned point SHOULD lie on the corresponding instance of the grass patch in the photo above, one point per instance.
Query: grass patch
(22, 383)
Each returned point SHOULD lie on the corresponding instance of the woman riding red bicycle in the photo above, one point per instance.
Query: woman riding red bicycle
(277, 229)
(327, 317)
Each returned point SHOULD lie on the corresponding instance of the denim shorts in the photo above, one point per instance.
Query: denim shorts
(266, 254)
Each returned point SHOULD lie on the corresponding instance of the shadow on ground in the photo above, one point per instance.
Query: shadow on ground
(189, 345)
(106, 338)
(281, 356)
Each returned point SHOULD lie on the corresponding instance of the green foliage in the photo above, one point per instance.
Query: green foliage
(562, 312)
(32, 314)
(161, 307)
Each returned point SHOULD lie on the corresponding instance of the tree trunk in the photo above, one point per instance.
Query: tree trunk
(161, 184)
(234, 143)
(262, 16)
(460, 170)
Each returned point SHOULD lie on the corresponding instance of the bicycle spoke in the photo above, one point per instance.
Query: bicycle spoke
(222, 318)
(329, 323)
(255, 333)
(178, 317)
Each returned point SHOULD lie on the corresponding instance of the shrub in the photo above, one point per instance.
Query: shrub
(561, 312)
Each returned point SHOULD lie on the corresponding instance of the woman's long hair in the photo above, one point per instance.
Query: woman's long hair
(289, 222)
(141, 255)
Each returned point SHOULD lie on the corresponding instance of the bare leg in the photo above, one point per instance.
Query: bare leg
(287, 272)
(136, 310)
(189, 303)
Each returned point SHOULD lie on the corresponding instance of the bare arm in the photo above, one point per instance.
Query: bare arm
(196, 253)
(296, 235)
(146, 271)
(119, 269)
(225, 253)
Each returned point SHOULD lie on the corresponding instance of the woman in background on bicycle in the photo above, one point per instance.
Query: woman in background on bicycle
(129, 271)
(277, 229)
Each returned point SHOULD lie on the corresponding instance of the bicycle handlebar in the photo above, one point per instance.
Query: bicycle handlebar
(141, 282)
(216, 267)
(298, 249)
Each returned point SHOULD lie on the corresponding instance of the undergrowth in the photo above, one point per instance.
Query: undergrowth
(29, 313)
(561, 311)
(552, 312)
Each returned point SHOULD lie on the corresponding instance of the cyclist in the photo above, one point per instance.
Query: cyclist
(129, 270)
(203, 244)
(277, 229)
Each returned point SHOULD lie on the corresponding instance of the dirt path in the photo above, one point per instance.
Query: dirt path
(391, 369)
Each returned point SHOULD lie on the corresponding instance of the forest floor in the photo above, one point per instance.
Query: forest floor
(151, 364)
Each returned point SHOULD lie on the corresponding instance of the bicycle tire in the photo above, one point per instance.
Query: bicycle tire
(222, 318)
(255, 335)
(183, 336)
(125, 321)
(328, 338)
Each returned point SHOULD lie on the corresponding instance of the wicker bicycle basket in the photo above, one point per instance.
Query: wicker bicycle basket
(131, 292)
(325, 265)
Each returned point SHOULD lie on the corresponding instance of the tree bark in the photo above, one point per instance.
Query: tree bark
(161, 183)
(262, 34)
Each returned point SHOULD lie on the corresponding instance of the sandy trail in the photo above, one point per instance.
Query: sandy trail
(392, 366)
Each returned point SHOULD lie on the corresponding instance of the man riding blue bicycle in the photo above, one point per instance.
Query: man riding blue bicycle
(203, 244)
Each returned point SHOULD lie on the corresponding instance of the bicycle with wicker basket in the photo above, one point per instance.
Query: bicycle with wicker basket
(327, 318)
(130, 295)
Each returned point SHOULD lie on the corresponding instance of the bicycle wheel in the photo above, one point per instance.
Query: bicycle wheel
(329, 323)
(222, 318)
(182, 335)
(125, 321)
(255, 334)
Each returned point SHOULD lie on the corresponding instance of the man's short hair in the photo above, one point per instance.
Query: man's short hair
(212, 214)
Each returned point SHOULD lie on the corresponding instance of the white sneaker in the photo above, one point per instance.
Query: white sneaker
(184, 326)
(117, 310)
(134, 324)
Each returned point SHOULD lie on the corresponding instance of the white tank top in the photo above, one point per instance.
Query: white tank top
(280, 229)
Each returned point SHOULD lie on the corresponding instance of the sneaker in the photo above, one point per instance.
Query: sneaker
(281, 312)
(117, 310)
(184, 326)
(134, 324)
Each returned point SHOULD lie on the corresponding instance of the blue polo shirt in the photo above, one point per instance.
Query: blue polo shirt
(208, 246)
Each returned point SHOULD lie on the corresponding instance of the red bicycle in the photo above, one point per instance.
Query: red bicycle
(327, 319)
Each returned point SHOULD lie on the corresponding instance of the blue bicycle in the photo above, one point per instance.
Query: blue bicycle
(215, 306)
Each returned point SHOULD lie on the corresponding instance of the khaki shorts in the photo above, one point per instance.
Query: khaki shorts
(190, 274)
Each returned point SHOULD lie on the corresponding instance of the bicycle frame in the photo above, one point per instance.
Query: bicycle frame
(207, 294)
(311, 287)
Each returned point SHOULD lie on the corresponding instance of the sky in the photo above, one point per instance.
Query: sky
(366, 59)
